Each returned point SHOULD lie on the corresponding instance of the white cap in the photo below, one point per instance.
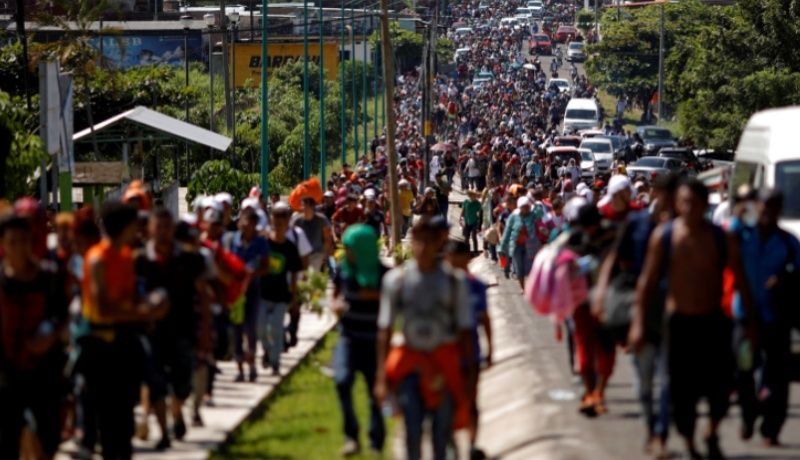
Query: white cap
(329, 194)
(250, 203)
(211, 203)
(224, 198)
(581, 186)
(573, 206)
(639, 184)
(281, 206)
(369, 194)
(403, 183)
(523, 201)
(618, 183)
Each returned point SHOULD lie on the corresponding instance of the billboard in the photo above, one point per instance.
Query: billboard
(246, 60)
(125, 51)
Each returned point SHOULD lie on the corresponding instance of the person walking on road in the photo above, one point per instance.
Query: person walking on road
(519, 240)
(471, 218)
(698, 334)
(318, 230)
(459, 256)
(430, 300)
(356, 299)
(769, 255)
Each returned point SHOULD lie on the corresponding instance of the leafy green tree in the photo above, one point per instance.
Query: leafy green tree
(219, 176)
(407, 46)
(26, 147)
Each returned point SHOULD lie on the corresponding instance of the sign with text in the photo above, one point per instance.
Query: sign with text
(246, 60)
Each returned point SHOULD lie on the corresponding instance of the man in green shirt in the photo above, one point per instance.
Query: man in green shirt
(471, 218)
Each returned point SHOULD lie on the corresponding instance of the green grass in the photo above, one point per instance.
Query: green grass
(632, 115)
(302, 419)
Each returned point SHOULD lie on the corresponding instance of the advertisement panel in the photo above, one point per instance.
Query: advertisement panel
(246, 60)
(125, 51)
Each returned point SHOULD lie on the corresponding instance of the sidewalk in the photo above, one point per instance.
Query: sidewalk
(233, 402)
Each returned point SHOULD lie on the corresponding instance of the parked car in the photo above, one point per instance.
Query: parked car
(562, 155)
(576, 52)
(684, 155)
(655, 138)
(561, 83)
(565, 34)
(603, 150)
(567, 141)
(541, 44)
(622, 148)
(716, 157)
(588, 164)
(653, 167)
(581, 114)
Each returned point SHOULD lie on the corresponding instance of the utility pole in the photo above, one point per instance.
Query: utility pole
(426, 108)
(388, 77)
(306, 168)
(264, 103)
(661, 62)
(323, 157)
(364, 94)
(226, 66)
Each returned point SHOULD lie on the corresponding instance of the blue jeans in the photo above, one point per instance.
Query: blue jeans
(270, 327)
(414, 412)
(523, 260)
(351, 356)
(650, 363)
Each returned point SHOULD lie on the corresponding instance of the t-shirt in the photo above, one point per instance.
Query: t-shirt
(298, 237)
(406, 198)
(283, 260)
(178, 274)
(120, 278)
(250, 252)
(24, 306)
(360, 321)
(376, 220)
(472, 210)
(348, 217)
(433, 305)
(313, 229)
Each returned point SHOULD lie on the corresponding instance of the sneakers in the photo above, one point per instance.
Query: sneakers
(164, 444)
(179, 429)
(253, 375)
(350, 448)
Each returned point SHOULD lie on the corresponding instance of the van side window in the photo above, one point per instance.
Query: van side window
(745, 173)
(787, 180)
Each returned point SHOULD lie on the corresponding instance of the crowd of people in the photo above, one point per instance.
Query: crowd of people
(101, 310)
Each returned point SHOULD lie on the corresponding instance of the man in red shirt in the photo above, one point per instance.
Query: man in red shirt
(348, 215)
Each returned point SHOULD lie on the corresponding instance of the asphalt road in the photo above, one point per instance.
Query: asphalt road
(529, 398)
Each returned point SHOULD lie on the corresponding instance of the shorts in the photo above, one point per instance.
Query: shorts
(171, 369)
(700, 364)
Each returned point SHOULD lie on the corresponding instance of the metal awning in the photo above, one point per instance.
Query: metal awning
(157, 125)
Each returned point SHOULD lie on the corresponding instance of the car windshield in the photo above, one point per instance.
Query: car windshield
(559, 83)
(650, 162)
(576, 46)
(581, 114)
(587, 156)
(787, 180)
(616, 141)
(657, 134)
(542, 38)
(597, 147)
(680, 154)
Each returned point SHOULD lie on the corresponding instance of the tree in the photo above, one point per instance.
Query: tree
(26, 147)
(219, 176)
(407, 46)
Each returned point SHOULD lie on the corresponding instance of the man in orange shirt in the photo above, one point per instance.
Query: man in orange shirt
(114, 308)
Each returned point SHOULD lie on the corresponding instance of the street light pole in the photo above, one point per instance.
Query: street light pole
(661, 62)
(186, 22)
(210, 21)
(342, 121)
(365, 109)
(388, 78)
(234, 18)
(306, 168)
(264, 103)
(323, 157)
(355, 75)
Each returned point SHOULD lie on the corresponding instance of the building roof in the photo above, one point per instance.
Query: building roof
(155, 123)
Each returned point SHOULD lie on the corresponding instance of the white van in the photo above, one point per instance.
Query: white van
(509, 23)
(767, 156)
(581, 114)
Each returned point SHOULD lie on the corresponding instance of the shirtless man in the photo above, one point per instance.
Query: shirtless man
(690, 253)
